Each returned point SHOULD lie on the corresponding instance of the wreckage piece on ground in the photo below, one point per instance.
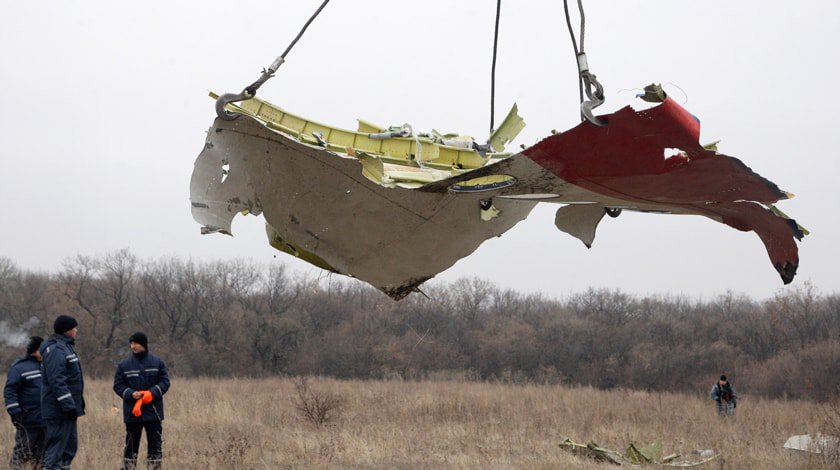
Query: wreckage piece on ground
(393, 207)
(813, 444)
(649, 455)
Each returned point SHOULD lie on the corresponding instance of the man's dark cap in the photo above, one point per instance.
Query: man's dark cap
(140, 338)
(64, 323)
(34, 344)
(723, 377)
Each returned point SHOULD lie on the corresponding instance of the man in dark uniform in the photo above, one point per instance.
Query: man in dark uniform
(62, 389)
(22, 394)
(138, 374)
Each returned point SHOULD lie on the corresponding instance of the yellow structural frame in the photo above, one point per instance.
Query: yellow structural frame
(399, 150)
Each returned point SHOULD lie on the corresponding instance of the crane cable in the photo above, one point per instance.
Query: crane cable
(493, 68)
(586, 79)
(251, 90)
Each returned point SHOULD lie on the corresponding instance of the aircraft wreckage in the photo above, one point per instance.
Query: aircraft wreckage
(394, 207)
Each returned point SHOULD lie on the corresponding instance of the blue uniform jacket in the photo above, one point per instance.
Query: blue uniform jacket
(22, 392)
(142, 371)
(62, 385)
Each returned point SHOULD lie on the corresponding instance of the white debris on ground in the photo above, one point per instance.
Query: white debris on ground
(815, 444)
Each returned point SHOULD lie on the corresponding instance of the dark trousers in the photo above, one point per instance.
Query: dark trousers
(29, 447)
(154, 441)
(61, 444)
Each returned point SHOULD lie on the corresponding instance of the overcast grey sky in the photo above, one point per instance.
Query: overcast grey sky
(105, 110)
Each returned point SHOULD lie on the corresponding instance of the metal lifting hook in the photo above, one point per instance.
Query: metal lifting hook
(249, 92)
(596, 97)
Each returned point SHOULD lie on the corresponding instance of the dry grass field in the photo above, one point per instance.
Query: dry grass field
(254, 424)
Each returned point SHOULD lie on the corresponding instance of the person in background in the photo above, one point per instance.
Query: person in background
(62, 393)
(724, 395)
(141, 381)
(22, 395)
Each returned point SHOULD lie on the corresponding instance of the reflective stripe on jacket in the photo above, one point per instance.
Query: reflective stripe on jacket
(142, 372)
(22, 393)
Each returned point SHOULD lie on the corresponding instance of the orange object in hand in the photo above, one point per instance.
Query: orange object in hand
(144, 400)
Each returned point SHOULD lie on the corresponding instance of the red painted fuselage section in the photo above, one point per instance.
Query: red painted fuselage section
(653, 158)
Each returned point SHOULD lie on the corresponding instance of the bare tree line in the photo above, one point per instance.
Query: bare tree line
(224, 318)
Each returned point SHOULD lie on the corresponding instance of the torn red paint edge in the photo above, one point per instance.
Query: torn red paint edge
(625, 160)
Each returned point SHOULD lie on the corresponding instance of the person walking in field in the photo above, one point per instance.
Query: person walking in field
(22, 395)
(141, 381)
(724, 395)
(62, 390)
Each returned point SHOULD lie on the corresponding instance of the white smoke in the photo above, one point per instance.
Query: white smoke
(16, 336)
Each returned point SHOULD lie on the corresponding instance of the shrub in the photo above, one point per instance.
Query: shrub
(317, 406)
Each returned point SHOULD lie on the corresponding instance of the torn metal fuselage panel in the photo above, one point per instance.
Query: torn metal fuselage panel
(626, 161)
(398, 211)
(320, 207)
